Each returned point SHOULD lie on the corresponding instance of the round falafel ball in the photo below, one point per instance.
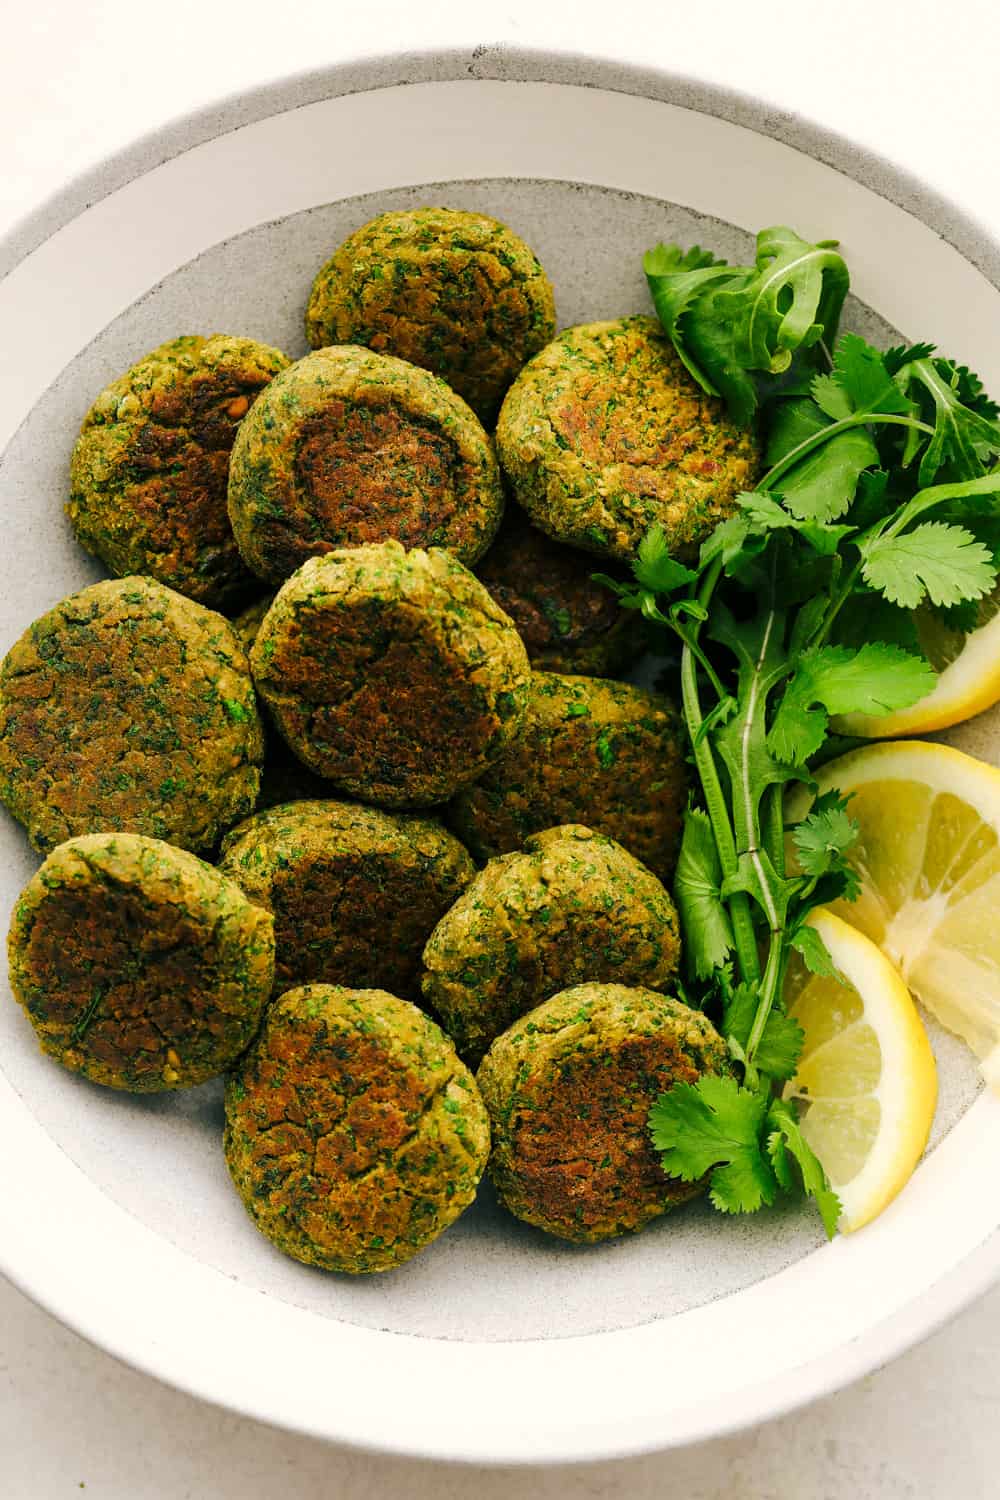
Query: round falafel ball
(138, 965)
(348, 447)
(355, 892)
(391, 673)
(574, 906)
(128, 707)
(568, 1089)
(354, 1135)
(567, 622)
(604, 434)
(455, 292)
(150, 469)
(592, 751)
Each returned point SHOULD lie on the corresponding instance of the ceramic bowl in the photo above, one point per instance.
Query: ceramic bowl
(116, 1213)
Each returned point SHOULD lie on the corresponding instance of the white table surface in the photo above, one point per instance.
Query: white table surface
(81, 78)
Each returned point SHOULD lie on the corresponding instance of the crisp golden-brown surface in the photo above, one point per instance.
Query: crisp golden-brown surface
(568, 1089)
(139, 965)
(353, 1133)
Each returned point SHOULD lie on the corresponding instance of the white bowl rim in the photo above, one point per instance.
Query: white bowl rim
(957, 225)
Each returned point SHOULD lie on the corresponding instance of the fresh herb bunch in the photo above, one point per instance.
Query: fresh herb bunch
(881, 497)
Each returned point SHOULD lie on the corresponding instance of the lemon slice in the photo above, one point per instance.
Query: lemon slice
(929, 860)
(866, 1082)
(968, 681)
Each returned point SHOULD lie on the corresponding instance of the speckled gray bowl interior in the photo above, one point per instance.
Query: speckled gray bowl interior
(160, 1157)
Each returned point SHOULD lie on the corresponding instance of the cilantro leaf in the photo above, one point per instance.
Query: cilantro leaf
(822, 486)
(777, 1053)
(716, 1126)
(825, 834)
(860, 382)
(875, 679)
(708, 937)
(814, 953)
(942, 563)
(787, 1141)
(655, 569)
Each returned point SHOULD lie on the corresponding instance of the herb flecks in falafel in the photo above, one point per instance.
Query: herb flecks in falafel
(573, 906)
(392, 673)
(354, 1135)
(456, 292)
(355, 891)
(138, 965)
(592, 751)
(604, 434)
(568, 1089)
(348, 447)
(150, 469)
(128, 707)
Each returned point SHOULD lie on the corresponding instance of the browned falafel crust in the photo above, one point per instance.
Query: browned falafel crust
(604, 434)
(573, 906)
(568, 1089)
(355, 892)
(456, 292)
(349, 447)
(567, 622)
(128, 707)
(354, 1135)
(591, 751)
(138, 965)
(391, 673)
(150, 469)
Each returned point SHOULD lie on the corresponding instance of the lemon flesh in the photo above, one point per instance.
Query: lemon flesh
(928, 856)
(866, 1083)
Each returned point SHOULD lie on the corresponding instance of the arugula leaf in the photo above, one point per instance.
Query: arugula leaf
(964, 439)
(655, 569)
(942, 563)
(876, 679)
(677, 280)
(787, 1141)
(795, 302)
(778, 1051)
(708, 936)
(716, 1126)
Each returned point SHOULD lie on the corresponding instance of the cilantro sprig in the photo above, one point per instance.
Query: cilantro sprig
(881, 495)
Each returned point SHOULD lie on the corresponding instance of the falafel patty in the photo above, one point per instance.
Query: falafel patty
(604, 434)
(355, 892)
(602, 753)
(567, 622)
(568, 1089)
(150, 469)
(391, 673)
(128, 707)
(574, 906)
(354, 1135)
(348, 447)
(139, 965)
(455, 292)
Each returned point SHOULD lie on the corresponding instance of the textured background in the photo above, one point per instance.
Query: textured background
(80, 78)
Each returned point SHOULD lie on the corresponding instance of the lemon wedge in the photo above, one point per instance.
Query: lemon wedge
(929, 860)
(866, 1083)
(968, 682)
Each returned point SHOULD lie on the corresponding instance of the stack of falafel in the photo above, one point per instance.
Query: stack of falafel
(434, 684)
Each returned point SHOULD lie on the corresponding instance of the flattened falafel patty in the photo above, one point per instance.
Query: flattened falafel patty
(574, 906)
(602, 753)
(456, 292)
(567, 622)
(128, 707)
(150, 469)
(391, 673)
(138, 965)
(568, 1089)
(348, 447)
(355, 892)
(354, 1135)
(604, 433)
